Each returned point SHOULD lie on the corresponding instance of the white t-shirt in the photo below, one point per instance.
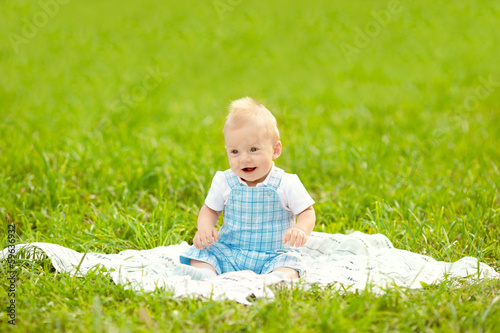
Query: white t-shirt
(293, 194)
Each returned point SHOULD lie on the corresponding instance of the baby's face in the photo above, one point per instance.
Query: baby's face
(251, 152)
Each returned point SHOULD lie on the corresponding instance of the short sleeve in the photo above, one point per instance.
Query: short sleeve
(298, 199)
(215, 197)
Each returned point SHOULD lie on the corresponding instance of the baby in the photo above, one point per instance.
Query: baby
(260, 203)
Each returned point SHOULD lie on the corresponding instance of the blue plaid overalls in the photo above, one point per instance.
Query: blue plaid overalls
(251, 236)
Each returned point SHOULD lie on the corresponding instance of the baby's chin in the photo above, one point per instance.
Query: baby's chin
(247, 176)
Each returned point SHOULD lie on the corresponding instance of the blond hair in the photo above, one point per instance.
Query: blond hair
(246, 110)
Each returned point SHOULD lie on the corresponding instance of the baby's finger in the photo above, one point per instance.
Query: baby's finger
(286, 236)
(200, 242)
(304, 240)
(209, 238)
(206, 242)
(215, 234)
(299, 240)
(196, 242)
(293, 239)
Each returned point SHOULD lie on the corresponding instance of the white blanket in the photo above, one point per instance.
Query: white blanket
(352, 262)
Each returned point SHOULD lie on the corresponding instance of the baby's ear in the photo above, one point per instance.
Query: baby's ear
(277, 150)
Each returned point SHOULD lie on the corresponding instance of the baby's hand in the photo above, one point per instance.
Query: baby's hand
(205, 236)
(296, 236)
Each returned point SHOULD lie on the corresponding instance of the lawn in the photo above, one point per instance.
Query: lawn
(111, 116)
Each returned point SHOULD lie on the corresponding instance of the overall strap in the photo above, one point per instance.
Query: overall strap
(232, 179)
(275, 178)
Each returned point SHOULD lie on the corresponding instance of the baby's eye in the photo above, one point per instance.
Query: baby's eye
(253, 149)
(234, 151)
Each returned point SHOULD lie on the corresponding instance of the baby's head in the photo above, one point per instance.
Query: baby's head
(252, 140)
(247, 111)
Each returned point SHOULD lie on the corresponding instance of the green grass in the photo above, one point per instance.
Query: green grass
(400, 137)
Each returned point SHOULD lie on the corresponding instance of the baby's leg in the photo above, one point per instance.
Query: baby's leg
(286, 272)
(198, 270)
(201, 264)
(286, 265)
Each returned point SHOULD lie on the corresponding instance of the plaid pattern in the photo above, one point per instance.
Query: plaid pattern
(254, 224)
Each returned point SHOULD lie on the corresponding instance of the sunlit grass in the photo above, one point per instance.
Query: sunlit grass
(400, 138)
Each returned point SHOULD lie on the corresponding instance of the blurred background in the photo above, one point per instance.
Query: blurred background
(111, 115)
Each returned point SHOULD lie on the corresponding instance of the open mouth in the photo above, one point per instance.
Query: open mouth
(248, 169)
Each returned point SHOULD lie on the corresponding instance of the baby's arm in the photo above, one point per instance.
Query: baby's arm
(206, 234)
(298, 234)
